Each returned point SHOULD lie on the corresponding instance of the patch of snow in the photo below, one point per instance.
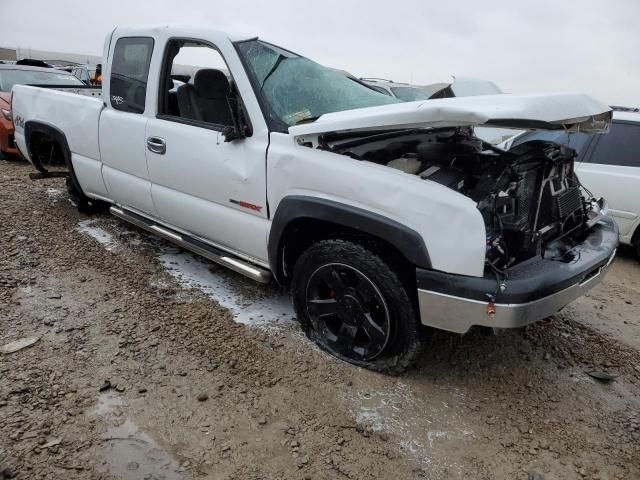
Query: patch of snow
(435, 434)
(54, 194)
(418, 423)
(99, 234)
(251, 304)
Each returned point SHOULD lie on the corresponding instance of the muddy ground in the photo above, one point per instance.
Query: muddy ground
(210, 377)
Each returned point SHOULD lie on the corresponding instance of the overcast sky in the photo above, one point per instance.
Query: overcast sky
(591, 46)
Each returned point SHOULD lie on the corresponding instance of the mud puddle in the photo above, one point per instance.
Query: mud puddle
(128, 452)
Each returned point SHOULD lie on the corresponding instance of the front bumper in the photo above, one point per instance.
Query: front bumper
(534, 290)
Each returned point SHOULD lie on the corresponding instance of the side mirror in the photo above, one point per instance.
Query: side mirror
(231, 133)
(240, 128)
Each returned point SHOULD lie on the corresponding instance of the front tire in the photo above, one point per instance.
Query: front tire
(354, 306)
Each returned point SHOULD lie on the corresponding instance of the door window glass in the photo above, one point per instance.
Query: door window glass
(621, 146)
(197, 86)
(129, 73)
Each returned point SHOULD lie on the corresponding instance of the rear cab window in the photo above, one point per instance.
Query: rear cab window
(129, 73)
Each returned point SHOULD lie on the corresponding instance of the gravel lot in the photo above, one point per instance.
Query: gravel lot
(210, 377)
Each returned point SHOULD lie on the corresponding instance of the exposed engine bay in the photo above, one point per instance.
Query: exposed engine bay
(529, 196)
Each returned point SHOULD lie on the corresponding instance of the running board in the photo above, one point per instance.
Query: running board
(214, 254)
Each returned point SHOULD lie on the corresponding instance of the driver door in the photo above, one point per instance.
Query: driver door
(201, 184)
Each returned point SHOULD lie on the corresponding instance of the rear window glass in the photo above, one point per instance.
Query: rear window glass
(9, 78)
(621, 146)
(129, 73)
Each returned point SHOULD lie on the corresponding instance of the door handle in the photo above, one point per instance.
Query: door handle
(156, 145)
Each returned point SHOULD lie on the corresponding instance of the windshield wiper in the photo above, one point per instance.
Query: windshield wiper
(280, 59)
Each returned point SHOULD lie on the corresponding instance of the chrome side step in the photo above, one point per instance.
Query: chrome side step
(216, 255)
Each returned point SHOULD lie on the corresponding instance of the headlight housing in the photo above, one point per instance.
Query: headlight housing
(6, 113)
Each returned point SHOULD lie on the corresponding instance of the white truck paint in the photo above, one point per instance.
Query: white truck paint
(559, 110)
(182, 180)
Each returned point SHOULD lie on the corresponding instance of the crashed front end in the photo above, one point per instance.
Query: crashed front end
(527, 292)
(548, 242)
(547, 239)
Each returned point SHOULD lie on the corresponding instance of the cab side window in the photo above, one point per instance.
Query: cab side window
(196, 87)
(129, 73)
(621, 146)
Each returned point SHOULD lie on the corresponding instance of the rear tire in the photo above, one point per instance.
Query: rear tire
(85, 204)
(635, 242)
(354, 306)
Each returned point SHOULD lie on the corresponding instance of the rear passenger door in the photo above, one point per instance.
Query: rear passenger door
(123, 123)
(611, 169)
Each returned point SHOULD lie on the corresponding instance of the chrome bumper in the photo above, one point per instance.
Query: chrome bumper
(458, 315)
(535, 289)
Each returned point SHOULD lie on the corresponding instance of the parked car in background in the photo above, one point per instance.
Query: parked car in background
(11, 75)
(32, 62)
(459, 87)
(608, 166)
(401, 91)
(87, 74)
(84, 73)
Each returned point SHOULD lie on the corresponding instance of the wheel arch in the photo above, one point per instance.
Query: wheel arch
(299, 220)
(32, 129)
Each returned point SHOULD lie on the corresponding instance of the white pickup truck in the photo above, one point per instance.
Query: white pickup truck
(381, 216)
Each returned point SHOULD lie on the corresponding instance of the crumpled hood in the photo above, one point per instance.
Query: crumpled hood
(558, 111)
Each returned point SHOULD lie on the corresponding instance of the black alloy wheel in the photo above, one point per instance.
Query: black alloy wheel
(352, 304)
(348, 311)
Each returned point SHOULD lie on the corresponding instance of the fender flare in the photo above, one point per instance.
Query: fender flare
(406, 240)
(56, 134)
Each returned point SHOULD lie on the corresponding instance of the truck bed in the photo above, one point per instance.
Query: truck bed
(88, 90)
(74, 111)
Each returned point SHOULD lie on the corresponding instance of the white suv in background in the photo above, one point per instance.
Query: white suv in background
(609, 166)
